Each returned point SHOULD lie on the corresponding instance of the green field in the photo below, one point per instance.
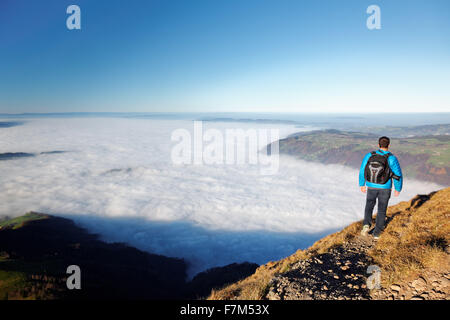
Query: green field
(18, 222)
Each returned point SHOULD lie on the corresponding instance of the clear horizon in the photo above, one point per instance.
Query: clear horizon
(225, 112)
(225, 56)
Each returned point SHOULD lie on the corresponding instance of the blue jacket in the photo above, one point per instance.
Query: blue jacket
(395, 168)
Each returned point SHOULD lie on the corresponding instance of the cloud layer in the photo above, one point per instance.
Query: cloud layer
(116, 178)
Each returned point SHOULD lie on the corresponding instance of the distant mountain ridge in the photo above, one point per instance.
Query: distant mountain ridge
(407, 132)
(423, 158)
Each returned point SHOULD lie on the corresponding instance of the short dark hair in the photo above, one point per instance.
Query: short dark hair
(384, 142)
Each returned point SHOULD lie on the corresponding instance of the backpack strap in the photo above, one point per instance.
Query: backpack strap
(387, 155)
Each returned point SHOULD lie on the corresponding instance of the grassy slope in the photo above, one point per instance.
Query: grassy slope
(414, 242)
(19, 222)
(15, 281)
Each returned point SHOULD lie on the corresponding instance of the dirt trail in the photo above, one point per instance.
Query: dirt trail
(341, 274)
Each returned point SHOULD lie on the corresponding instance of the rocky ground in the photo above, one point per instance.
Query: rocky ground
(433, 286)
(341, 274)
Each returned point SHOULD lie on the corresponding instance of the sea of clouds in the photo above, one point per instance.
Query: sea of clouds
(116, 178)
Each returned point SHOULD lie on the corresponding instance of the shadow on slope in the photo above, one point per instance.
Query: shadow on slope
(36, 249)
(41, 250)
(202, 248)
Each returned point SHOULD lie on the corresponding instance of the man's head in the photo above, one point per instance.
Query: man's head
(383, 142)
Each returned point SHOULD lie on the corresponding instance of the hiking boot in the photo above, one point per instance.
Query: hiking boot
(376, 237)
(364, 230)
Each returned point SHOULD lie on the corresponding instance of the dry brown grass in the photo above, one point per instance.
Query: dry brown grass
(414, 241)
(254, 287)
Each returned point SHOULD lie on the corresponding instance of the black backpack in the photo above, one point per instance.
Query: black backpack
(377, 168)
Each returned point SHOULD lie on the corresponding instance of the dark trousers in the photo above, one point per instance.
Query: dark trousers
(383, 196)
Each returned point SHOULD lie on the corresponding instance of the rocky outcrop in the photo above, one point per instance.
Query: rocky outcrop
(432, 286)
(339, 274)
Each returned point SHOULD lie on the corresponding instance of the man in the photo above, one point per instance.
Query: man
(377, 171)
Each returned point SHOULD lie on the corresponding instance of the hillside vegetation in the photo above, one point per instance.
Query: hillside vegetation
(412, 252)
(424, 158)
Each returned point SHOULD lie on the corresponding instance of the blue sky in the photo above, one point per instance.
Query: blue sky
(224, 55)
